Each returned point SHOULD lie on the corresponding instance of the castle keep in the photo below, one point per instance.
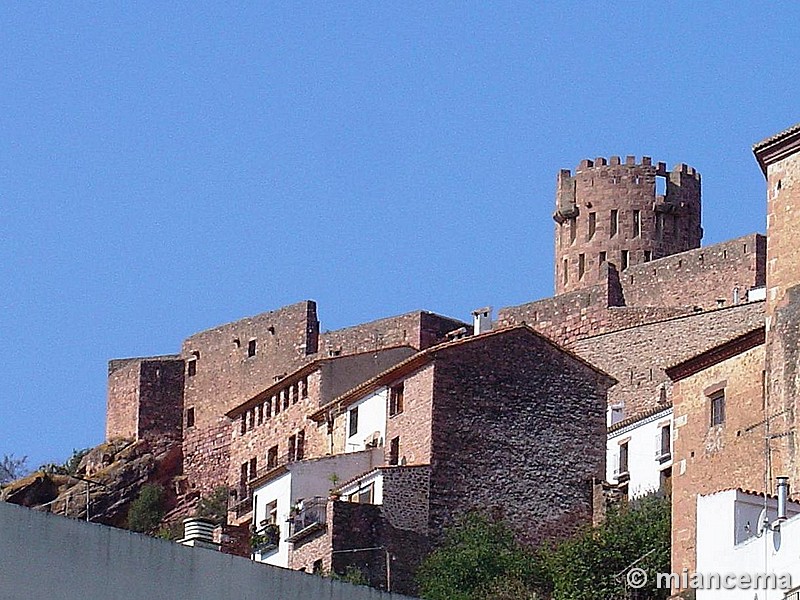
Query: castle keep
(411, 420)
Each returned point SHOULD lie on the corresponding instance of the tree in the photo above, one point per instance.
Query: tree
(479, 560)
(594, 563)
(144, 513)
(214, 506)
(12, 468)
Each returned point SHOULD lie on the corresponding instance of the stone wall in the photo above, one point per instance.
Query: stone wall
(122, 409)
(637, 356)
(406, 495)
(519, 431)
(414, 425)
(710, 458)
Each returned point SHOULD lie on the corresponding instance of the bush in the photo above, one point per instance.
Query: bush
(214, 506)
(144, 513)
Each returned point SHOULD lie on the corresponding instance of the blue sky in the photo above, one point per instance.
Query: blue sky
(164, 169)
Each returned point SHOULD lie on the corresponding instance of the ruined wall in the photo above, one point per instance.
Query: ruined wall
(122, 408)
(145, 398)
(710, 458)
(406, 494)
(418, 329)
(637, 357)
(611, 212)
(518, 430)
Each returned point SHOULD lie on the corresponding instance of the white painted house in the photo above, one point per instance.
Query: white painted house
(294, 497)
(732, 541)
(639, 453)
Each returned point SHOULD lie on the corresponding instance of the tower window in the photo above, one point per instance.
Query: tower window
(251, 348)
(581, 265)
(573, 228)
(614, 223)
(190, 417)
(566, 271)
(637, 224)
(624, 259)
(191, 367)
(717, 407)
(592, 224)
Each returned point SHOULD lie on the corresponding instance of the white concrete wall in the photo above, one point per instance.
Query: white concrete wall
(371, 418)
(279, 489)
(52, 557)
(727, 542)
(644, 465)
(376, 478)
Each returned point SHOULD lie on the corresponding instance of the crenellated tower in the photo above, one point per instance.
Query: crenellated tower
(623, 214)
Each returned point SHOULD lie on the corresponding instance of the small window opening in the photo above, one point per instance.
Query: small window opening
(316, 569)
(272, 457)
(191, 367)
(292, 447)
(394, 451)
(614, 223)
(565, 272)
(301, 442)
(581, 265)
(623, 458)
(661, 185)
(190, 417)
(237, 343)
(637, 224)
(396, 400)
(648, 255)
(251, 348)
(353, 424)
(573, 229)
(717, 408)
(592, 224)
(304, 387)
(624, 259)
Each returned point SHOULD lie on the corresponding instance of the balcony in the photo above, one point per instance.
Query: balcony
(266, 539)
(311, 517)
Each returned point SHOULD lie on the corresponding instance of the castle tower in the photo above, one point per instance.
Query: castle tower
(624, 214)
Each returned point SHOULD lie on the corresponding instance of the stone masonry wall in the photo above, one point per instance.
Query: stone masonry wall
(519, 431)
(637, 356)
(413, 426)
(711, 458)
(122, 410)
(406, 494)
(700, 277)
(161, 400)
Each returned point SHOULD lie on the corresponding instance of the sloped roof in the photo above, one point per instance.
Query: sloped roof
(777, 146)
(424, 357)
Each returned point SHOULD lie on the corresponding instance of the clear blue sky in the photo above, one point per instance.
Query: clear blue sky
(166, 169)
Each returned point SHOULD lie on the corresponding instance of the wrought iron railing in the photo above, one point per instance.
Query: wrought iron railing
(312, 514)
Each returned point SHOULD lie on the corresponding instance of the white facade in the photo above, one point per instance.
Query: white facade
(728, 543)
(302, 481)
(371, 481)
(639, 454)
(370, 423)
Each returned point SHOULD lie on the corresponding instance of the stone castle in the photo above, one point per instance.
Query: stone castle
(507, 415)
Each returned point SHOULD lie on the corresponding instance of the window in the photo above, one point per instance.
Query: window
(581, 265)
(317, 568)
(637, 223)
(251, 348)
(622, 467)
(191, 365)
(295, 394)
(614, 223)
(394, 451)
(717, 408)
(396, 400)
(190, 417)
(592, 225)
(661, 185)
(648, 255)
(243, 424)
(573, 227)
(617, 414)
(301, 441)
(566, 271)
(272, 457)
(624, 259)
(664, 450)
(353, 424)
(365, 495)
(665, 482)
(276, 403)
(304, 387)
(243, 472)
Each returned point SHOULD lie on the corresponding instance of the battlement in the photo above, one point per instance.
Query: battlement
(659, 168)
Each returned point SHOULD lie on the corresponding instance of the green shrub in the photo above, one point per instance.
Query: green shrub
(214, 507)
(144, 513)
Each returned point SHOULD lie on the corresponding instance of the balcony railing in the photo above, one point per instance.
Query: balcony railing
(266, 539)
(311, 517)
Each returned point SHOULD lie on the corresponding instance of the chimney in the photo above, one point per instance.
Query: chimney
(783, 496)
(482, 320)
(198, 532)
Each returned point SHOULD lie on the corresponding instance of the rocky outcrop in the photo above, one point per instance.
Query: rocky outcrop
(112, 473)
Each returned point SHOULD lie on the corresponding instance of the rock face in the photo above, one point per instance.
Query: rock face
(115, 471)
